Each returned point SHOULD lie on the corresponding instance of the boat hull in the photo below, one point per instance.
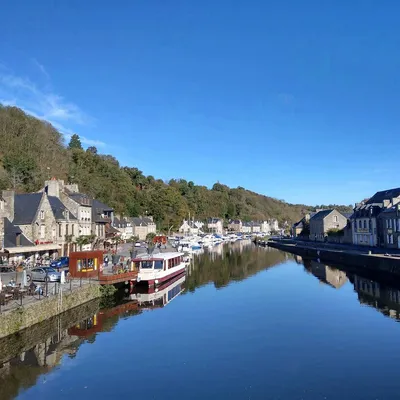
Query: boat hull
(157, 279)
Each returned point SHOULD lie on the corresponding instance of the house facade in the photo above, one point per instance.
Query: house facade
(142, 226)
(389, 222)
(246, 227)
(366, 227)
(323, 221)
(191, 227)
(235, 225)
(215, 225)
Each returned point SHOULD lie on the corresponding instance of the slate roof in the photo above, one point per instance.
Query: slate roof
(99, 208)
(59, 208)
(138, 221)
(80, 198)
(213, 220)
(26, 207)
(320, 215)
(347, 215)
(299, 225)
(378, 197)
(148, 220)
(10, 235)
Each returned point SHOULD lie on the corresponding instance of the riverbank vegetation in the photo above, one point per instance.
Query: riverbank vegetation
(33, 151)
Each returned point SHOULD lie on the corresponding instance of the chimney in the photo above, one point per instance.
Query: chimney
(53, 187)
(8, 196)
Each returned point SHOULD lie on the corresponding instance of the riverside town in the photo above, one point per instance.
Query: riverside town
(199, 200)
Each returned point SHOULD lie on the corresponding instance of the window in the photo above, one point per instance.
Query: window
(391, 239)
(365, 224)
(359, 223)
(42, 215)
(42, 231)
(387, 224)
(394, 225)
(147, 264)
(59, 230)
(158, 264)
(390, 224)
(387, 239)
(335, 218)
(66, 229)
(73, 229)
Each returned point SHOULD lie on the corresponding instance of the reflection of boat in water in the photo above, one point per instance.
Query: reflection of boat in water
(159, 296)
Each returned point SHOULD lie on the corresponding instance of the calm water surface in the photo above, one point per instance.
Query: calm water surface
(245, 323)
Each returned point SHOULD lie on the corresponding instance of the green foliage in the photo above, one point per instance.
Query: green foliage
(335, 232)
(75, 142)
(150, 236)
(33, 151)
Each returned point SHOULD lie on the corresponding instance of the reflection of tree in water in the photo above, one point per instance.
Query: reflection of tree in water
(231, 265)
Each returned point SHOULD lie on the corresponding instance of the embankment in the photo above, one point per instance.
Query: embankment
(369, 262)
(34, 313)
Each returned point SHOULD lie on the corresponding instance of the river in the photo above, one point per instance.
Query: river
(245, 322)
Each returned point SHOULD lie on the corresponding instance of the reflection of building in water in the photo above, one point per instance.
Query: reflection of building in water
(298, 259)
(384, 298)
(331, 276)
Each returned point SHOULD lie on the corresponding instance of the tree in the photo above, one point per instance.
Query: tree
(75, 142)
(150, 236)
(92, 150)
(116, 241)
(82, 240)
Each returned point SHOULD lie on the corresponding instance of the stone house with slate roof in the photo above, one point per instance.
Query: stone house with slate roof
(323, 221)
(142, 226)
(215, 225)
(367, 227)
(102, 220)
(235, 225)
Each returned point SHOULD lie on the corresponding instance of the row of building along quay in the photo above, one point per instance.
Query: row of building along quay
(373, 223)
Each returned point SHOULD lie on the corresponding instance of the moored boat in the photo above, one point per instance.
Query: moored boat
(154, 269)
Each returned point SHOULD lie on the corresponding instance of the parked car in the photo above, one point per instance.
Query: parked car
(60, 263)
(44, 274)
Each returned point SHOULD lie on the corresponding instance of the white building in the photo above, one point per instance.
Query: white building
(191, 227)
(215, 225)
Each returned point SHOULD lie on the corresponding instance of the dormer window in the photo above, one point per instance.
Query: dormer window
(42, 215)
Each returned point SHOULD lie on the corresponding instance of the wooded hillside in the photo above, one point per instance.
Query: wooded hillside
(33, 151)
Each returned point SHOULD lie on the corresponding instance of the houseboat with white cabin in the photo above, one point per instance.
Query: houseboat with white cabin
(154, 269)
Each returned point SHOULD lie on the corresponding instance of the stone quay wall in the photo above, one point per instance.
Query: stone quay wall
(31, 314)
(370, 262)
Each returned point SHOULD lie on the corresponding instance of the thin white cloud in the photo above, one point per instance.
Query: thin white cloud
(42, 103)
(41, 68)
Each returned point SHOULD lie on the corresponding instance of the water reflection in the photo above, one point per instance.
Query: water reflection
(27, 358)
(224, 264)
(37, 350)
(370, 292)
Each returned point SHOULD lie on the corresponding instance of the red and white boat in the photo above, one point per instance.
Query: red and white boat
(157, 268)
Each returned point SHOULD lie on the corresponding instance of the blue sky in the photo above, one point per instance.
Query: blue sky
(293, 99)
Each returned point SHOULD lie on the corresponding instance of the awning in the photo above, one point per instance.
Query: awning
(33, 249)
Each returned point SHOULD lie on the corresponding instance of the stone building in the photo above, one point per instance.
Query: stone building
(235, 225)
(323, 221)
(389, 223)
(102, 219)
(33, 215)
(366, 227)
(142, 226)
(191, 227)
(215, 225)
